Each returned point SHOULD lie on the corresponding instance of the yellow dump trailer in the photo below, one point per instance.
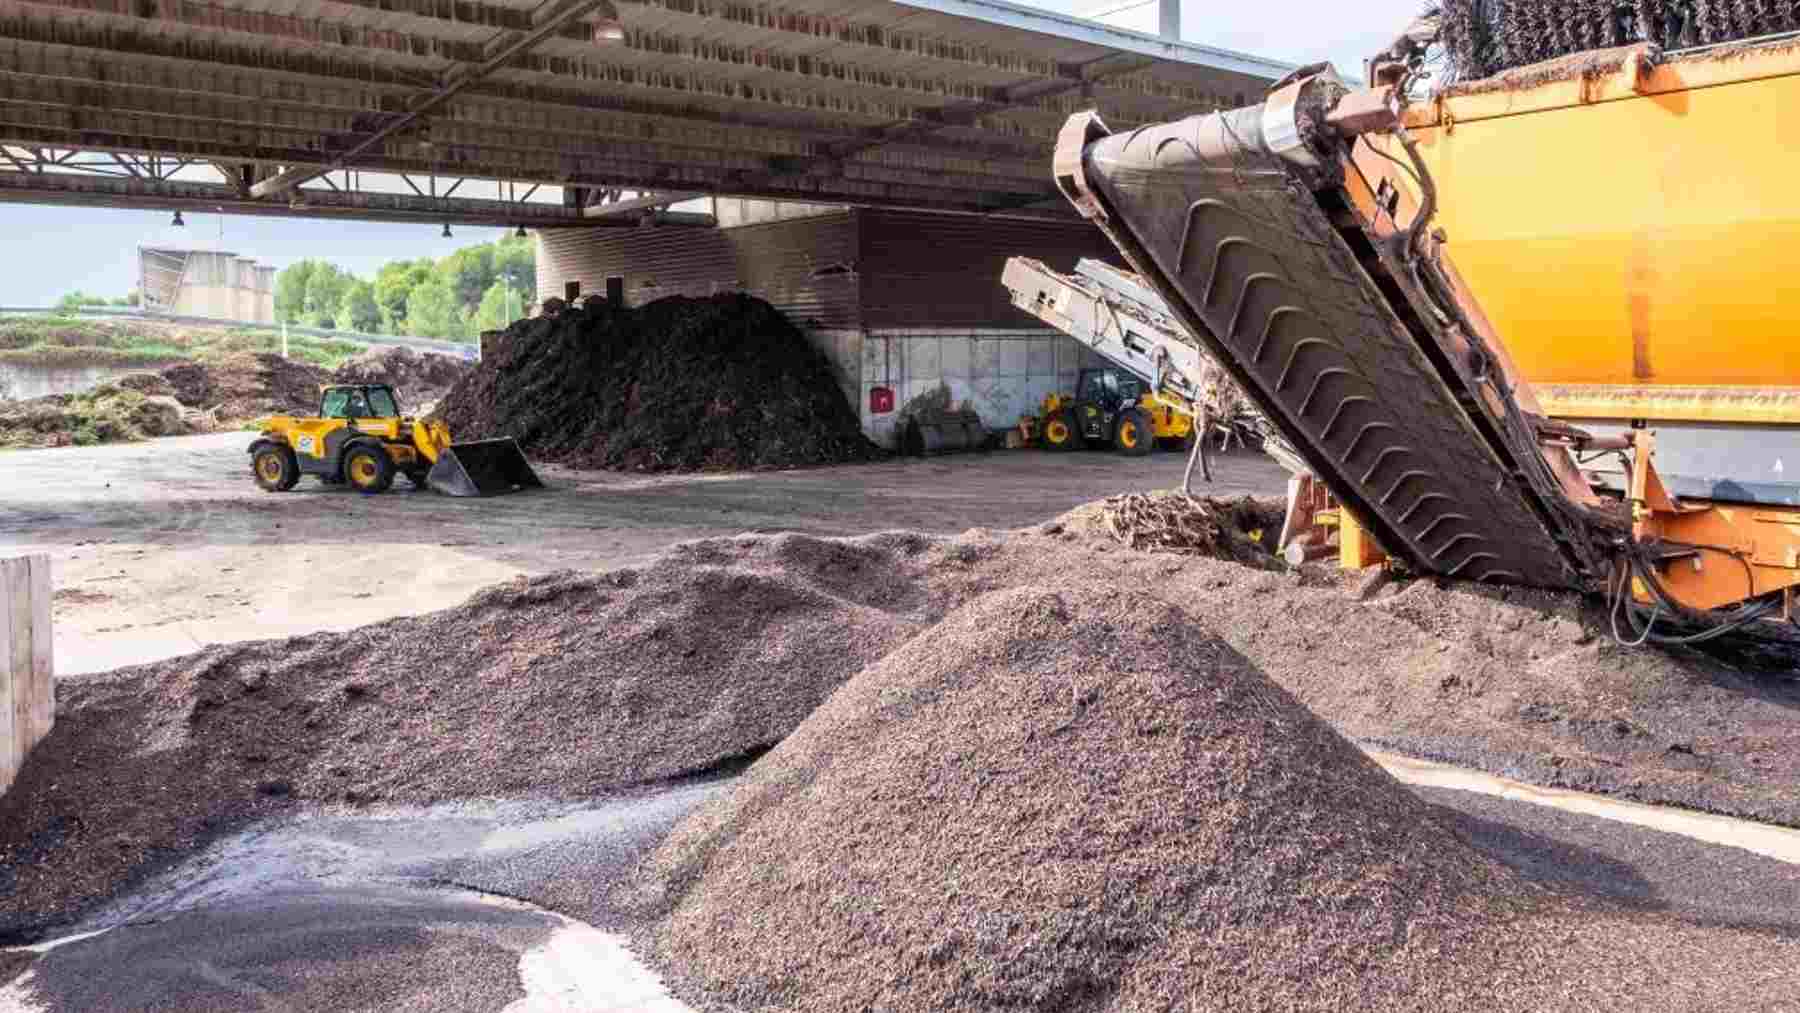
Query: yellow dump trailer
(1630, 222)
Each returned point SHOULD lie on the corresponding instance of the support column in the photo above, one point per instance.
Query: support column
(27, 682)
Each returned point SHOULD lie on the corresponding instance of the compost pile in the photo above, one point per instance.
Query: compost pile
(1078, 800)
(421, 379)
(115, 412)
(248, 385)
(724, 382)
(1482, 39)
(567, 685)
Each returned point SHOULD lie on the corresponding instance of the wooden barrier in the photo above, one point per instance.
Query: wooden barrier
(27, 685)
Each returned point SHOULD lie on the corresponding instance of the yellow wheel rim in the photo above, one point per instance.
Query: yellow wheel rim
(269, 467)
(363, 471)
(1056, 432)
(1128, 435)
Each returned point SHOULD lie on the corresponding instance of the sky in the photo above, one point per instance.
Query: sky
(48, 251)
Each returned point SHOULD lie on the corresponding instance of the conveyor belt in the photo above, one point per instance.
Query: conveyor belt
(1281, 286)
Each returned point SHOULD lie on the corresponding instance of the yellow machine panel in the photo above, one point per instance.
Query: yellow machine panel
(1631, 233)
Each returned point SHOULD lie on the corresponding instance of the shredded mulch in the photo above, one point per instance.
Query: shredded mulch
(559, 686)
(680, 384)
(421, 378)
(575, 685)
(1083, 800)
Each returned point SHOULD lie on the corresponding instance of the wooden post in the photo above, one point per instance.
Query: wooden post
(27, 681)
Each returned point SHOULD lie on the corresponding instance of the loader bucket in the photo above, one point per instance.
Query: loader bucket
(482, 468)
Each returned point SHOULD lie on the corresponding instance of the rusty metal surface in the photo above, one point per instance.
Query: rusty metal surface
(1250, 257)
(911, 282)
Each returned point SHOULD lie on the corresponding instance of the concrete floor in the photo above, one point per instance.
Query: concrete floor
(162, 547)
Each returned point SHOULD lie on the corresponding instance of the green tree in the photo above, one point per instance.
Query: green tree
(515, 262)
(393, 283)
(501, 305)
(358, 310)
(432, 311)
(290, 290)
(325, 290)
(77, 299)
(469, 272)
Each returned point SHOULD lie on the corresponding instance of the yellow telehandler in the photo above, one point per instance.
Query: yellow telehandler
(360, 438)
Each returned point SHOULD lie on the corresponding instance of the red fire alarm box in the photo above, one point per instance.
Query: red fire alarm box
(881, 400)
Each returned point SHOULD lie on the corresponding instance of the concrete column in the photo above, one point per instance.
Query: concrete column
(1168, 19)
(27, 683)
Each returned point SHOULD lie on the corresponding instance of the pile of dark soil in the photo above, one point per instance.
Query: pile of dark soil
(248, 385)
(724, 382)
(1079, 801)
(421, 378)
(565, 685)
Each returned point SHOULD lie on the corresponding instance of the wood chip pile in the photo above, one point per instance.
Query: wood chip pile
(1080, 800)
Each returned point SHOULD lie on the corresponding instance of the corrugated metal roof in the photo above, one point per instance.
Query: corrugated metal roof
(925, 103)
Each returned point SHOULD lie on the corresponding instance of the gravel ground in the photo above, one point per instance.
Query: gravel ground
(1081, 801)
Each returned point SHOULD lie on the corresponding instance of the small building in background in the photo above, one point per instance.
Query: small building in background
(206, 283)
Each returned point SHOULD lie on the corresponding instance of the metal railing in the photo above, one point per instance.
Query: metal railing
(434, 346)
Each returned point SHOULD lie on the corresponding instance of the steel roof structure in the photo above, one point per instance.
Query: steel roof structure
(941, 104)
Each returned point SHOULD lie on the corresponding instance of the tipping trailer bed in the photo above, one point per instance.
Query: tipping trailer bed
(1268, 240)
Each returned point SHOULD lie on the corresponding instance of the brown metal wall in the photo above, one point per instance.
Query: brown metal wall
(926, 270)
(777, 261)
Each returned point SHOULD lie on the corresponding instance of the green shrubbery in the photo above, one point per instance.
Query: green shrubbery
(65, 342)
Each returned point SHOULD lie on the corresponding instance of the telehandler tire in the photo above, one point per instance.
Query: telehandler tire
(1060, 432)
(368, 469)
(1135, 434)
(275, 468)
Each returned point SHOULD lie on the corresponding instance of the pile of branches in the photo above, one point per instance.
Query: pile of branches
(1481, 38)
(1243, 530)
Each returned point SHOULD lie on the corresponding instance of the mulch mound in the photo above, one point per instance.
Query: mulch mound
(573, 685)
(724, 382)
(565, 685)
(421, 378)
(1081, 801)
(248, 385)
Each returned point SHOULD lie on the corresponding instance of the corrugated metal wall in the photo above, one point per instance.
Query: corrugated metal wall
(926, 270)
(804, 267)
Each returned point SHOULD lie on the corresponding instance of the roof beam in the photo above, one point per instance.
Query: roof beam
(632, 205)
(965, 114)
(501, 50)
(141, 192)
